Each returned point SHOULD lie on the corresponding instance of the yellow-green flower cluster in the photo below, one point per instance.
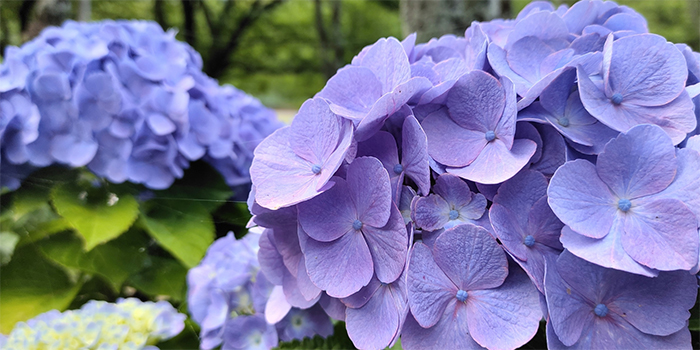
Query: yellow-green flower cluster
(127, 324)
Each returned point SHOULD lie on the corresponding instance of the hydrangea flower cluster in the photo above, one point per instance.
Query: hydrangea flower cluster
(126, 100)
(126, 324)
(229, 298)
(545, 166)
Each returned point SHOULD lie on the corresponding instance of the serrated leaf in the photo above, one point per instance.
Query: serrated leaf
(115, 260)
(30, 286)
(97, 215)
(163, 277)
(183, 228)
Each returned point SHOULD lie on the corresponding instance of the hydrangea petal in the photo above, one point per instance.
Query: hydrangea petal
(271, 263)
(638, 163)
(381, 146)
(281, 177)
(496, 163)
(607, 251)
(430, 291)
(308, 290)
(477, 101)
(375, 324)
(470, 257)
(431, 213)
(661, 234)
(646, 302)
(277, 306)
(352, 103)
(506, 317)
(315, 132)
(388, 246)
(686, 185)
(415, 154)
(581, 200)
(569, 311)
(294, 295)
(443, 133)
(376, 58)
(653, 77)
(340, 267)
(370, 190)
(389, 104)
(335, 203)
(451, 332)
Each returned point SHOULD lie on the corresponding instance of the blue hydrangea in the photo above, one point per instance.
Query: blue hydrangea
(126, 324)
(234, 302)
(126, 100)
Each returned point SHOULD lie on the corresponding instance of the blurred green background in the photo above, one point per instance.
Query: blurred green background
(283, 51)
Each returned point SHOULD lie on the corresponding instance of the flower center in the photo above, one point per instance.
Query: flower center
(357, 225)
(624, 205)
(563, 121)
(600, 310)
(616, 98)
(398, 168)
(462, 295)
(454, 214)
(529, 241)
(316, 169)
(490, 136)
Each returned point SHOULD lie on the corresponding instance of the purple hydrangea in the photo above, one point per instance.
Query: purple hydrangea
(224, 285)
(631, 210)
(647, 90)
(591, 307)
(126, 100)
(365, 236)
(525, 225)
(425, 139)
(462, 294)
(483, 121)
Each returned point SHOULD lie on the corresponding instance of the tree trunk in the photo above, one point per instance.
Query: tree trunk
(85, 10)
(694, 9)
(434, 18)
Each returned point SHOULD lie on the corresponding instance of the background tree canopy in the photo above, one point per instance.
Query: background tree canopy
(283, 51)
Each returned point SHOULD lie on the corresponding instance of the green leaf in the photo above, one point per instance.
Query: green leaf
(35, 190)
(694, 324)
(163, 277)
(183, 228)
(187, 339)
(97, 214)
(8, 242)
(201, 184)
(39, 224)
(339, 340)
(28, 199)
(30, 286)
(115, 260)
